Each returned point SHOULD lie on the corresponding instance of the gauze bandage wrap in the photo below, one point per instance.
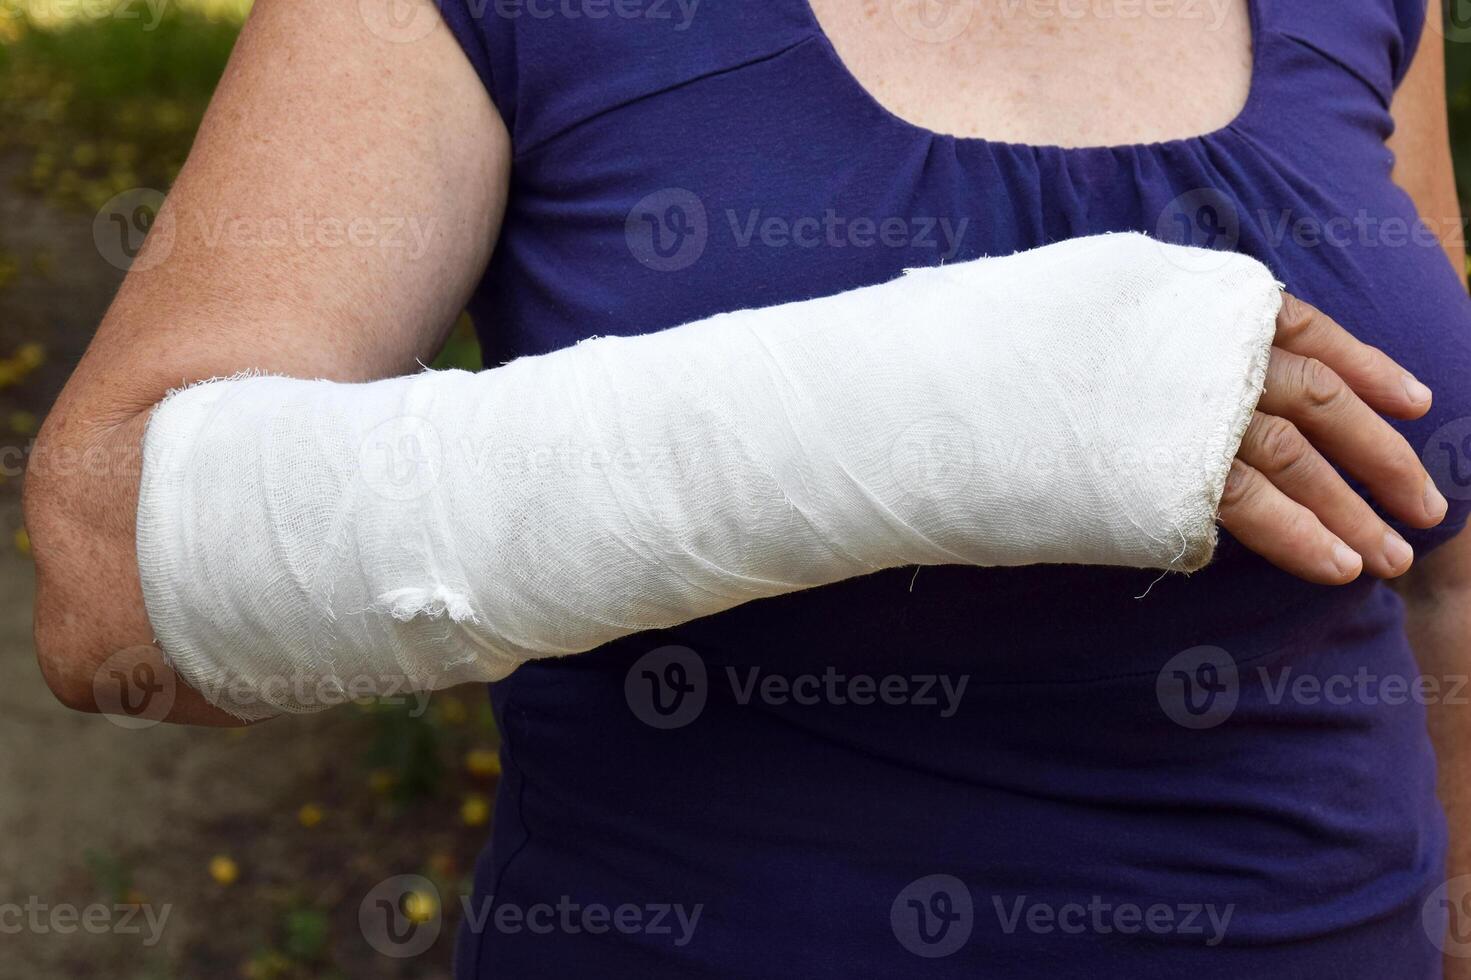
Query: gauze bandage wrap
(303, 541)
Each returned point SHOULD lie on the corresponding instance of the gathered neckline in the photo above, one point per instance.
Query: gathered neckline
(1253, 92)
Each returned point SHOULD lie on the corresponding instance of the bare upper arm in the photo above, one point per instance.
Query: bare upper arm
(340, 202)
(1423, 167)
(1422, 147)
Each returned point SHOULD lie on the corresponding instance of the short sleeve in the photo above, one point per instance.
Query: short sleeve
(1410, 16)
(1373, 40)
(552, 65)
(472, 23)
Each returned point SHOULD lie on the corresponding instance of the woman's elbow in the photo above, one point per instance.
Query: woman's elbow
(77, 505)
(63, 671)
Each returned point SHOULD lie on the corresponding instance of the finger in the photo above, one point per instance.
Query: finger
(1315, 399)
(1308, 332)
(1282, 531)
(1275, 448)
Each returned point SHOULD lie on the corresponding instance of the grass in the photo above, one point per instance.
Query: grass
(101, 105)
(104, 104)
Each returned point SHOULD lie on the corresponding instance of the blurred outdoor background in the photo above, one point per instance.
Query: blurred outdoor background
(261, 844)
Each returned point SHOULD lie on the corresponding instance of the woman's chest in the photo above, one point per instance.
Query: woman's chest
(1063, 72)
(741, 179)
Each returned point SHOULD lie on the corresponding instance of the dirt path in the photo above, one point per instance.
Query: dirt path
(95, 814)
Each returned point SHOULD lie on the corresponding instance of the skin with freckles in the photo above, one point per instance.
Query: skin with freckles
(1049, 72)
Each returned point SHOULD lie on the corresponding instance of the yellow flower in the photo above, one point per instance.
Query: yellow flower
(310, 815)
(44, 262)
(380, 781)
(223, 870)
(30, 356)
(475, 811)
(267, 966)
(483, 762)
(23, 423)
(452, 710)
(22, 541)
(420, 906)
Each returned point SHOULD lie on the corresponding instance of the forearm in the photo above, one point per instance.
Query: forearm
(444, 528)
(1437, 598)
(319, 129)
(95, 639)
(1441, 636)
(1440, 633)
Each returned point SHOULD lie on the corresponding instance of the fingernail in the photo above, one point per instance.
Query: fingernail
(1418, 392)
(1397, 551)
(1346, 560)
(1435, 505)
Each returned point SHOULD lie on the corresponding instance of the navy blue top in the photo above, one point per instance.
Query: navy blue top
(1227, 778)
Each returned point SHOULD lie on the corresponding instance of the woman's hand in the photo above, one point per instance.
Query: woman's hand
(1284, 501)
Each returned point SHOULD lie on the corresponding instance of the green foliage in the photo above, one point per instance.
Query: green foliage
(101, 105)
(305, 933)
(1458, 94)
(104, 104)
(113, 877)
(406, 745)
(462, 349)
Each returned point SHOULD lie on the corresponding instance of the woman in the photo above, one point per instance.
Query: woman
(1113, 776)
